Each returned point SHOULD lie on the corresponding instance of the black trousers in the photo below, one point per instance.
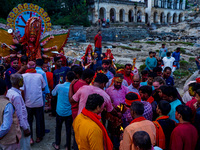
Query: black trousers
(38, 112)
(53, 105)
(68, 125)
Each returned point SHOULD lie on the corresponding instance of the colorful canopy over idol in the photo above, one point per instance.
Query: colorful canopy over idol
(19, 15)
(29, 33)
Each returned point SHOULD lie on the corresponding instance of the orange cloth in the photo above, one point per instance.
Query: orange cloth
(145, 125)
(107, 142)
(129, 102)
(88, 134)
(138, 119)
(160, 136)
(30, 71)
(150, 99)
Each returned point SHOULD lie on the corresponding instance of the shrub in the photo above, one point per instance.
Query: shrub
(191, 59)
(3, 21)
(151, 42)
(184, 64)
(181, 73)
(182, 51)
(142, 67)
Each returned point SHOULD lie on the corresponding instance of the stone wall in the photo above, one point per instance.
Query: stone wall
(81, 34)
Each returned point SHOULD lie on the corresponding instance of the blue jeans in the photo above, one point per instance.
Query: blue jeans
(177, 64)
(198, 64)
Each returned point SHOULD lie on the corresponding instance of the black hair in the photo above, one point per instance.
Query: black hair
(151, 74)
(195, 86)
(168, 54)
(56, 59)
(131, 96)
(119, 75)
(159, 80)
(150, 52)
(178, 48)
(137, 107)
(169, 91)
(87, 73)
(70, 76)
(106, 62)
(24, 59)
(39, 62)
(146, 89)
(164, 106)
(99, 30)
(99, 68)
(167, 68)
(93, 101)
(163, 44)
(157, 69)
(143, 72)
(185, 112)
(101, 78)
(77, 70)
(127, 65)
(142, 140)
(2, 87)
(198, 92)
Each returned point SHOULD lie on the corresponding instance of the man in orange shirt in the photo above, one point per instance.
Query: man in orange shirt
(89, 131)
(139, 123)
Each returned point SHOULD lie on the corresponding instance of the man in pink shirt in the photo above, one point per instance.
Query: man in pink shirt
(117, 92)
(82, 94)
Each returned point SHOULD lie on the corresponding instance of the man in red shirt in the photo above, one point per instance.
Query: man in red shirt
(185, 135)
(85, 79)
(98, 46)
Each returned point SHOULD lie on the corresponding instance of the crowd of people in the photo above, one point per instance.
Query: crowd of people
(102, 107)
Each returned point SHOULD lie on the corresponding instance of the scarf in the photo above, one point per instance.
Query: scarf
(138, 119)
(107, 142)
(150, 99)
(160, 136)
(30, 70)
(129, 102)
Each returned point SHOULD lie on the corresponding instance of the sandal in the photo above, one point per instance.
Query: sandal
(32, 141)
(54, 146)
(38, 140)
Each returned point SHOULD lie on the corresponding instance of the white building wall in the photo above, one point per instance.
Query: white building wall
(150, 9)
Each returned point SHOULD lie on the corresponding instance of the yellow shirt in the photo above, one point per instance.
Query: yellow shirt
(88, 134)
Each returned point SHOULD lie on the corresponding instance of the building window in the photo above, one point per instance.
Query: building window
(180, 5)
(162, 4)
(169, 4)
(175, 4)
(156, 3)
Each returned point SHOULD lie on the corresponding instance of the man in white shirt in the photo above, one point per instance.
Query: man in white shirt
(33, 86)
(168, 61)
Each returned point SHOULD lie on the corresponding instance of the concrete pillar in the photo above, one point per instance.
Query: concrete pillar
(108, 15)
(117, 16)
(170, 19)
(126, 17)
(158, 20)
(151, 19)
